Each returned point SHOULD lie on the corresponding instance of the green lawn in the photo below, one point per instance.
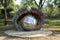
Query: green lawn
(2, 22)
(9, 26)
(52, 22)
(48, 22)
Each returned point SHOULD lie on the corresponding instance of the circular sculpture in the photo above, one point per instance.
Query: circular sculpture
(28, 18)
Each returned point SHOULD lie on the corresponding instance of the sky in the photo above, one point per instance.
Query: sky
(18, 2)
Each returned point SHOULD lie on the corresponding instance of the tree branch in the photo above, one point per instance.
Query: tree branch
(36, 3)
(43, 2)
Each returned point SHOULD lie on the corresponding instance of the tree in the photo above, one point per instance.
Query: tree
(57, 3)
(40, 4)
(26, 3)
(52, 9)
(5, 4)
(33, 2)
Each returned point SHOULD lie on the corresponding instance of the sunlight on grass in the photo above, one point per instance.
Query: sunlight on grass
(2, 22)
(47, 23)
(52, 22)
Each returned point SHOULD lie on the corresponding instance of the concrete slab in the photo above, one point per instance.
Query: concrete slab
(37, 33)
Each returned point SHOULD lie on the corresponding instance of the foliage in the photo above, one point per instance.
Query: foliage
(51, 10)
(26, 3)
(33, 3)
(57, 3)
(5, 4)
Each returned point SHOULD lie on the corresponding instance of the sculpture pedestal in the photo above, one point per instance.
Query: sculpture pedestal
(28, 33)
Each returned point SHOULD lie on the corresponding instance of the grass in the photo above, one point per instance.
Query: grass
(48, 23)
(52, 22)
(9, 21)
(3, 27)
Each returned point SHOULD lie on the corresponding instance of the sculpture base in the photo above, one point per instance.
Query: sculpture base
(37, 33)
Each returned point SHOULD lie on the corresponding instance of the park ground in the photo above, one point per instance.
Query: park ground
(51, 24)
(54, 36)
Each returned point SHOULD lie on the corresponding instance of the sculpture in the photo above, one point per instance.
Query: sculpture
(28, 18)
(28, 22)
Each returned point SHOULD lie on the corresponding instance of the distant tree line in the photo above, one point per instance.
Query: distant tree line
(51, 9)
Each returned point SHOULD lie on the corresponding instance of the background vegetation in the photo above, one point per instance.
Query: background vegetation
(50, 8)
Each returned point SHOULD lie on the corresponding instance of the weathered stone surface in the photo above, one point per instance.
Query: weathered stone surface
(28, 33)
(3, 36)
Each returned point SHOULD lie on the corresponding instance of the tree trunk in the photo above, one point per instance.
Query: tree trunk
(5, 15)
(41, 3)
